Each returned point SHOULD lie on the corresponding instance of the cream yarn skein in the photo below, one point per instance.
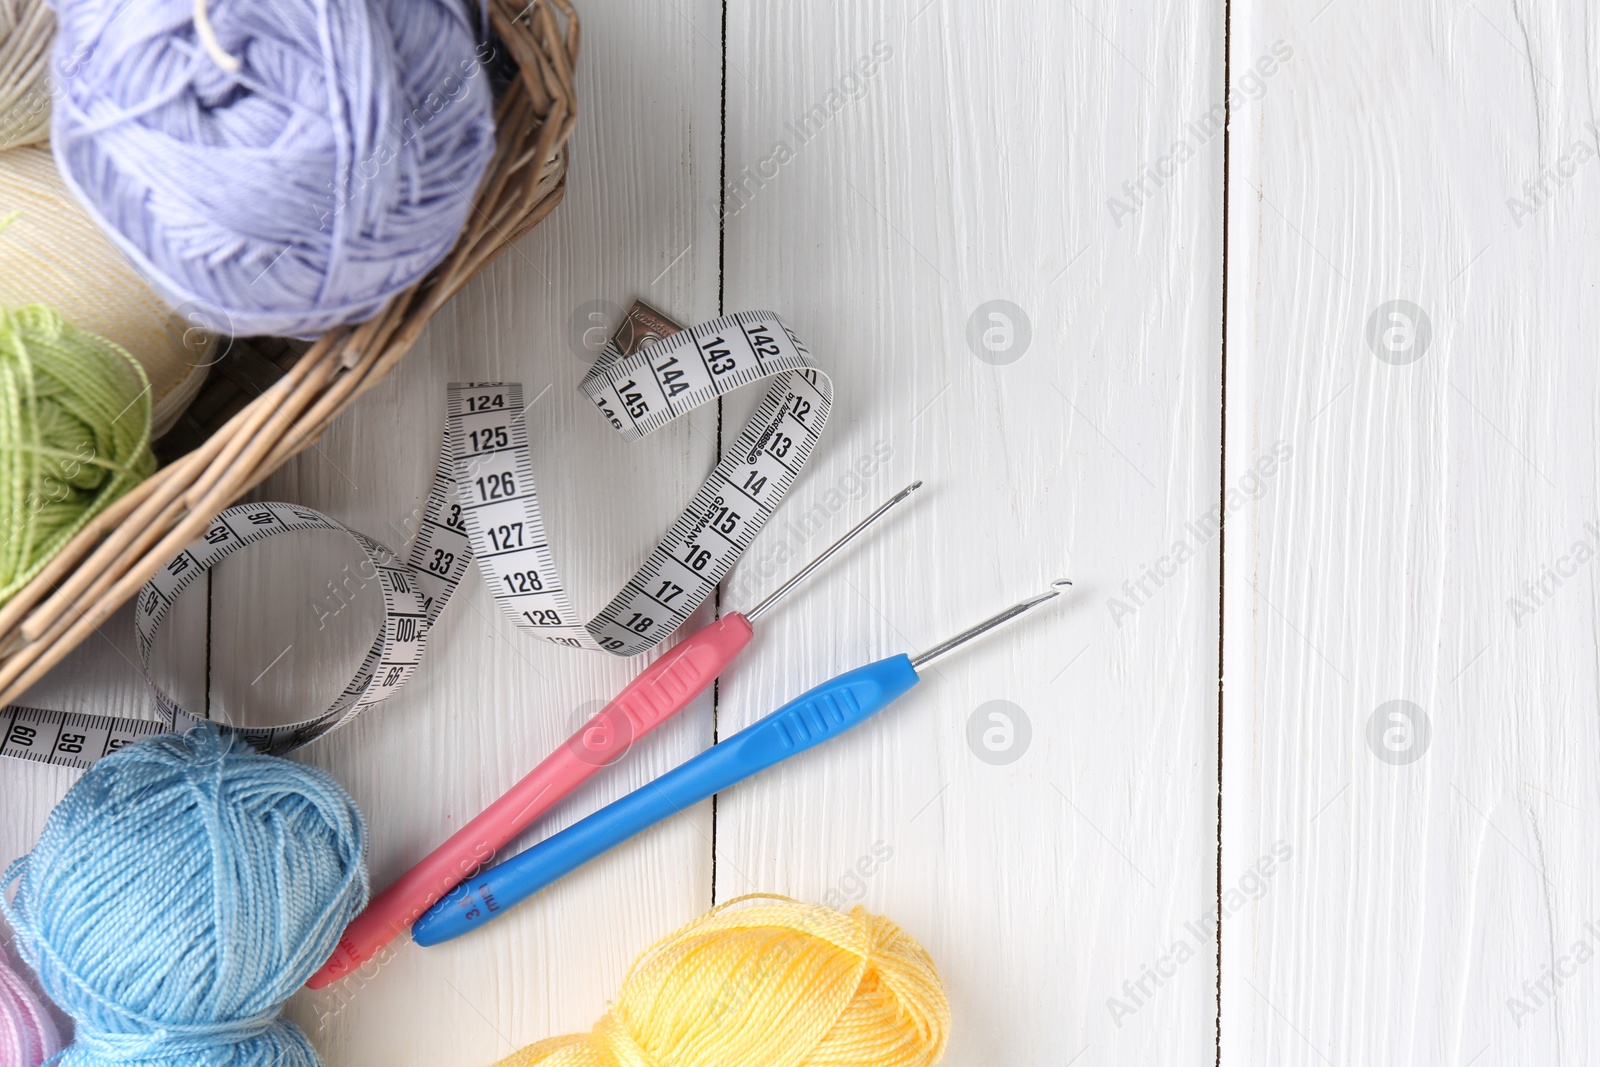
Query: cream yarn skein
(53, 254)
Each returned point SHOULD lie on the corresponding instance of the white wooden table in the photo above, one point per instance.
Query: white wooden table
(1356, 327)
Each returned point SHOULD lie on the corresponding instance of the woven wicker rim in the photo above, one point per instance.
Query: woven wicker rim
(114, 555)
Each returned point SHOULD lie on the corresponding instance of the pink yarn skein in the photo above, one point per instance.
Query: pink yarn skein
(27, 1036)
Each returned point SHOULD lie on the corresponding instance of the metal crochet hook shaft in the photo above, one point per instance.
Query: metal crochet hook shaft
(805, 722)
(993, 622)
(783, 590)
(665, 687)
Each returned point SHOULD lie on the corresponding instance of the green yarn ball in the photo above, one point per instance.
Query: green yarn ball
(74, 435)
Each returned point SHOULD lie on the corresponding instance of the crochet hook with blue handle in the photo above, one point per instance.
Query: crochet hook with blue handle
(822, 713)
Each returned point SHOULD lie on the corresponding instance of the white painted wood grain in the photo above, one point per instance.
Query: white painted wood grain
(972, 164)
(1386, 560)
(975, 165)
(948, 177)
(1381, 521)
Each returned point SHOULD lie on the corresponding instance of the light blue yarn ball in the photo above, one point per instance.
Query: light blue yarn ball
(181, 891)
(334, 169)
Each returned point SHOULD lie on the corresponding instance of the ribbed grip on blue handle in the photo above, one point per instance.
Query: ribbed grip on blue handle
(826, 711)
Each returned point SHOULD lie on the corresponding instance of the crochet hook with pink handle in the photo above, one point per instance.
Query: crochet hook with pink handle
(666, 687)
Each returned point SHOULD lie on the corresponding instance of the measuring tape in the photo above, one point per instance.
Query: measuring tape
(484, 506)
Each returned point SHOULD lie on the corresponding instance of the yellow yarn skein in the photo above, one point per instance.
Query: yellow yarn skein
(772, 982)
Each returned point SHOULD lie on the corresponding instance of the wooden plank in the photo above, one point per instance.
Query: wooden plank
(1411, 290)
(896, 168)
(488, 703)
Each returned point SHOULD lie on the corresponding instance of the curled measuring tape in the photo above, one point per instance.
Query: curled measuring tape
(484, 507)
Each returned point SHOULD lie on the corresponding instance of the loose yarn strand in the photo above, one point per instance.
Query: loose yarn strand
(208, 38)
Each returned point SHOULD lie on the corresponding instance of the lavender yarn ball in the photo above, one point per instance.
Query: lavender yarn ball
(332, 168)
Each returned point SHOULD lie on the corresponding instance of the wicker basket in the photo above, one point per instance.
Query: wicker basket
(273, 399)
